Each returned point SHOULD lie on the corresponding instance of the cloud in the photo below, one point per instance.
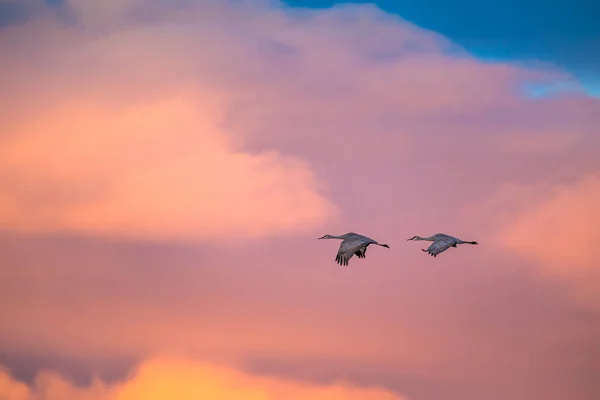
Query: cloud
(139, 127)
(160, 170)
(556, 225)
(159, 379)
(159, 166)
(218, 121)
(561, 228)
(85, 306)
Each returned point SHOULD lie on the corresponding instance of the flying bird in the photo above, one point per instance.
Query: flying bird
(352, 244)
(441, 243)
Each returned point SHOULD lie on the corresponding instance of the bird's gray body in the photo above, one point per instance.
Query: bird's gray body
(352, 244)
(441, 243)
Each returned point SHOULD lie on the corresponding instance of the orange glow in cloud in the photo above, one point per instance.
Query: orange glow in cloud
(557, 227)
(161, 379)
(161, 170)
(561, 228)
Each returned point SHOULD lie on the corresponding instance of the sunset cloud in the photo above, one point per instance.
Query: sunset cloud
(159, 166)
(164, 379)
(167, 166)
(158, 170)
(560, 228)
(557, 226)
(143, 130)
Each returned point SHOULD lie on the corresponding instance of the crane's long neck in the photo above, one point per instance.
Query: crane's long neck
(336, 237)
(430, 238)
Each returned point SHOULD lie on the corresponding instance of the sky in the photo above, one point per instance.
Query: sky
(561, 32)
(166, 168)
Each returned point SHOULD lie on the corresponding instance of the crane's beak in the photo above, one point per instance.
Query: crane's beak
(322, 237)
(409, 239)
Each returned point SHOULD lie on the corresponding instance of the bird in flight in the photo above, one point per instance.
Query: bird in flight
(352, 244)
(441, 243)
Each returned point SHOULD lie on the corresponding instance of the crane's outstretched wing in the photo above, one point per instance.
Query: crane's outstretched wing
(441, 244)
(350, 247)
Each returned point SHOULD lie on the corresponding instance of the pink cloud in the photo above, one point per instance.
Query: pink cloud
(392, 324)
(560, 227)
(157, 166)
(160, 170)
(555, 225)
(215, 123)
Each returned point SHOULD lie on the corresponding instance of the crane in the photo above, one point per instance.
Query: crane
(352, 244)
(441, 243)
